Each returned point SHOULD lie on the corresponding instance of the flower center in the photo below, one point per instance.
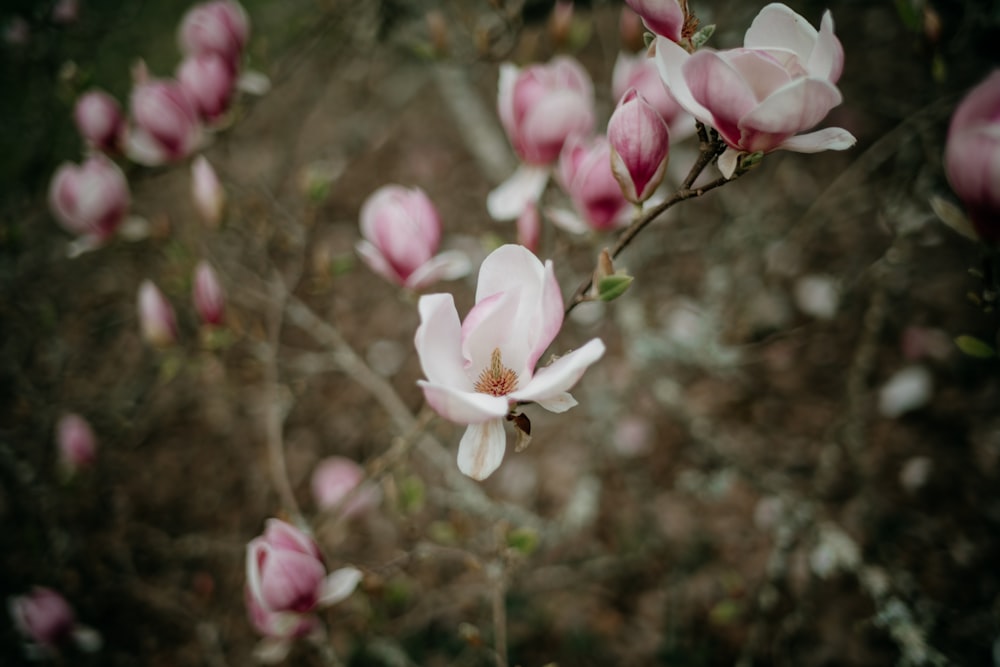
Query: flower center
(497, 379)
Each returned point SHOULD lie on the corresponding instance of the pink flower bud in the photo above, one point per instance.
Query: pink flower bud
(639, 72)
(221, 27)
(209, 81)
(529, 227)
(98, 117)
(165, 123)
(972, 157)
(76, 442)
(335, 478)
(156, 316)
(287, 581)
(401, 231)
(664, 17)
(207, 294)
(541, 105)
(640, 147)
(206, 191)
(42, 616)
(585, 174)
(91, 199)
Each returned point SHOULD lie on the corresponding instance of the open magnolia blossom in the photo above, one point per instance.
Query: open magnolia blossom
(540, 107)
(759, 97)
(480, 369)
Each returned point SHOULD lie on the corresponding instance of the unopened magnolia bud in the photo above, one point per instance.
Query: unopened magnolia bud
(99, 118)
(334, 481)
(43, 617)
(221, 27)
(561, 22)
(91, 199)
(209, 81)
(207, 295)
(76, 442)
(664, 17)
(156, 316)
(609, 284)
(206, 191)
(640, 147)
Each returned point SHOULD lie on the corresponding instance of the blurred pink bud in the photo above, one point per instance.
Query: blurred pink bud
(91, 199)
(401, 230)
(66, 11)
(76, 442)
(98, 117)
(165, 123)
(561, 21)
(640, 147)
(156, 316)
(287, 581)
(972, 157)
(209, 82)
(221, 27)
(639, 71)
(759, 97)
(664, 17)
(335, 478)
(207, 294)
(206, 191)
(43, 617)
(541, 105)
(585, 174)
(631, 31)
(529, 227)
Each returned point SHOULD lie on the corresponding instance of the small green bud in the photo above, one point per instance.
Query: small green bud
(611, 287)
(973, 347)
(523, 540)
(703, 35)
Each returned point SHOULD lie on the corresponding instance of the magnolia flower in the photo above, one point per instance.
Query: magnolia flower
(540, 107)
(91, 199)
(640, 147)
(76, 442)
(972, 157)
(209, 83)
(221, 27)
(286, 583)
(46, 621)
(335, 479)
(480, 369)
(585, 173)
(401, 230)
(761, 96)
(664, 17)
(98, 117)
(165, 124)
(639, 71)
(156, 316)
(209, 301)
(206, 191)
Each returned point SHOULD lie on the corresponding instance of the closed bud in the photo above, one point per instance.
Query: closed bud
(206, 191)
(76, 442)
(42, 617)
(91, 199)
(209, 300)
(586, 175)
(221, 27)
(99, 118)
(165, 123)
(640, 147)
(663, 17)
(156, 316)
(209, 82)
(339, 483)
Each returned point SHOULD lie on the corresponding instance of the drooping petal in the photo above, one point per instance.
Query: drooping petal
(463, 407)
(559, 376)
(448, 265)
(729, 160)
(827, 139)
(272, 650)
(439, 342)
(377, 262)
(567, 220)
(558, 403)
(482, 448)
(339, 585)
(526, 185)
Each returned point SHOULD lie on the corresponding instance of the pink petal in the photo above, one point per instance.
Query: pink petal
(827, 58)
(798, 106)
(482, 448)
(439, 342)
(717, 84)
(670, 59)
(463, 407)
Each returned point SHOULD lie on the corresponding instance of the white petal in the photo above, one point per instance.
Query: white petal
(827, 139)
(142, 148)
(271, 650)
(448, 265)
(464, 407)
(728, 161)
(439, 342)
(507, 200)
(669, 59)
(339, 585)
(482, 448)
(558, 403)
(567, 220)
(254, 82)
(557, 378)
